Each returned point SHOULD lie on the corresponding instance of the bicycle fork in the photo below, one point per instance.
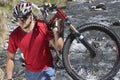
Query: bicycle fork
(80, 38)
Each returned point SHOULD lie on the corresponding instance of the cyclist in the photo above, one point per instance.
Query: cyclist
(33, 39)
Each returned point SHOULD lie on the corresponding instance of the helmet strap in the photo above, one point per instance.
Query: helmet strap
(32, 18)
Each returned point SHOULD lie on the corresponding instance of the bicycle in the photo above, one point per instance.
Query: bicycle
(91, 51)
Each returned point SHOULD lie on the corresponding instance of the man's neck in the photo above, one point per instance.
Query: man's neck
(30, 27)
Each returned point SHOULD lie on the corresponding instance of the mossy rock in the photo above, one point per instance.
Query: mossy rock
(1, 74)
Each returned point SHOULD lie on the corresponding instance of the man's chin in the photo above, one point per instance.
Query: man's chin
(26, 26)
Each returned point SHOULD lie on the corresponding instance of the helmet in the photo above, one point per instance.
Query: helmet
(22, 9)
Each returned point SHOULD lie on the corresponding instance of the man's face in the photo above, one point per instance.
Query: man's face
(24, 21)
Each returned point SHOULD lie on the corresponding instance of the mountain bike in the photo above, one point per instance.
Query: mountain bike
(91, 51)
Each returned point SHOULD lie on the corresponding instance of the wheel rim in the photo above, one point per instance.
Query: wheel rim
(82, 70)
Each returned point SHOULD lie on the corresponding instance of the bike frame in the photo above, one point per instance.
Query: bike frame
(59, 15)
(79, 37)
(63, 17)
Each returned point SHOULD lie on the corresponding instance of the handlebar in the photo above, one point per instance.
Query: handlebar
(44, 9)
(53, 6)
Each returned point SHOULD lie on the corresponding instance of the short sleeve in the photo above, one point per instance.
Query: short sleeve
(12, 46)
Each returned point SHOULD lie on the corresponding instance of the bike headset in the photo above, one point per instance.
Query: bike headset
(22, 10)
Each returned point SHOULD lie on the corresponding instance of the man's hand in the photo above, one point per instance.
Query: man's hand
(10, 65)
(55, 31)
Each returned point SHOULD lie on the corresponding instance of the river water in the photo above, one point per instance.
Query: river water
(80, 12)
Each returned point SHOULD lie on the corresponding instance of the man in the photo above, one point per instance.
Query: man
(33, 39)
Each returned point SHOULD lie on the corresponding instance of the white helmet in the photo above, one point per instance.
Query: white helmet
(22, 9)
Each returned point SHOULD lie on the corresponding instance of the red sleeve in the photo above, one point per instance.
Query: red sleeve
(12, 46)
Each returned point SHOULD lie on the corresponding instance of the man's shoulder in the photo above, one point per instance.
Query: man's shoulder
(41, 24)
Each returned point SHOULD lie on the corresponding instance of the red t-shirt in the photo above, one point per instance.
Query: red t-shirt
(34, 46)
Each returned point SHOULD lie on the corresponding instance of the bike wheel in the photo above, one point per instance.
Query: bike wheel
(77, 60)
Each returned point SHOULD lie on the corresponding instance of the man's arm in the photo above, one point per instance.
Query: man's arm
(57, 42)
(10, 65)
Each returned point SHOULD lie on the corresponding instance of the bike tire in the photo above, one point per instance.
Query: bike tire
(69, 66)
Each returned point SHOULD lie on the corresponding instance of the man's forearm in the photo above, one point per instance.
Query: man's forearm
(9, 68)
(58, 40)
